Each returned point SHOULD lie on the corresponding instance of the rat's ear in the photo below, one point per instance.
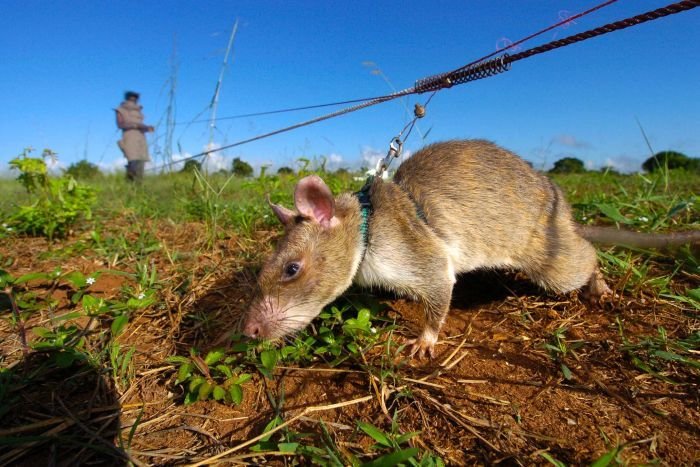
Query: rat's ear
(313, 199)
(286, 216)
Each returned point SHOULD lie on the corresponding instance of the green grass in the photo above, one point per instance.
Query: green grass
(350, 333)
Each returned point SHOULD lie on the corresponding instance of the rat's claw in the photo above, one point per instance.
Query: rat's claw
(422, 345)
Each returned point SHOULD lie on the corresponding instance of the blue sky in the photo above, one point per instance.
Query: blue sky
(64, 66)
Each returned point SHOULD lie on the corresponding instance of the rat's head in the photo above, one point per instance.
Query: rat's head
(312, 265)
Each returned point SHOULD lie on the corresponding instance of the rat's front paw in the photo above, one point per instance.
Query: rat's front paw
(424, 344)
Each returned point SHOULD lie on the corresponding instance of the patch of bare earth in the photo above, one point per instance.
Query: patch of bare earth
(493, 394)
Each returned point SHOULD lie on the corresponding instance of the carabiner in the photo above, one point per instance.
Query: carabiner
(395, 148)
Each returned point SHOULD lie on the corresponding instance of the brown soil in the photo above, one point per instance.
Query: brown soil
(492, 395)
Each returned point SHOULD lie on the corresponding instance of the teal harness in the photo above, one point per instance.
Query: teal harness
(365, 210)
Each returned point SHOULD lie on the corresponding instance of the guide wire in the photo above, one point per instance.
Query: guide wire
(353, 101)
(478, 69)
(397, 142)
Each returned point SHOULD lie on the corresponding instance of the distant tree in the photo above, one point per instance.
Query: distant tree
(83, 170)
(342, 171)
(672, 159)
(191, 165)
(241, 168)
(609, 169)
(568, 165)
(285, 171)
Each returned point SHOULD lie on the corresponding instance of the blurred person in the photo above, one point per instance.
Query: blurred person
(133, 143)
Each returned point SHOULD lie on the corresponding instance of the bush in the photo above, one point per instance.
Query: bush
(285, 171)
(83, 170)
(191, 165)
(568, 165)
(672, 160)
(241, 168)
(56, 202)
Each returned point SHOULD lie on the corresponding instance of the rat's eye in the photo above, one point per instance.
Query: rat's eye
(290, 271)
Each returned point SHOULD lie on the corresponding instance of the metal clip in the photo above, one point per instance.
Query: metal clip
(395, 148)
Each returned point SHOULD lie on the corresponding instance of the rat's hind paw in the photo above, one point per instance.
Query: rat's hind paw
(596, 291)
(423, 345)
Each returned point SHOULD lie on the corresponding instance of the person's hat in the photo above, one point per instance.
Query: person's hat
(129, 94)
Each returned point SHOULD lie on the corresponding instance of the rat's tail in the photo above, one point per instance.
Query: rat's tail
(613, 236)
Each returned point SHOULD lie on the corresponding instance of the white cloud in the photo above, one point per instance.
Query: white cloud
(176, 166)
(334, 161)
(115, 165)
(624, 163)
(570, 141)
(212, 162)
(215, 160)
(370, 156)
(54, 166)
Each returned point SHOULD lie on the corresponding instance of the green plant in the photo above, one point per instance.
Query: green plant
(63, 336)
(559, 347)
(391, 446)
(246, 217)
(691, 297)
(120, 361)
(343, 333)
(56, 202)
(208, 203)
(215, 376)
(123, 246)
(658, 355)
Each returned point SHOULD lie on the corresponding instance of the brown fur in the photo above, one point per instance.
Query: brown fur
(483, 208)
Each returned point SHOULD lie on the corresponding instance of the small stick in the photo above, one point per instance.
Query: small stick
(418, 381)
(303, 413)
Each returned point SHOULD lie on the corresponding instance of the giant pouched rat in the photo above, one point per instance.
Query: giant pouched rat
(452, 207)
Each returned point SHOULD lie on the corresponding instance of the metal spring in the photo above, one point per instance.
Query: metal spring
(463, 75)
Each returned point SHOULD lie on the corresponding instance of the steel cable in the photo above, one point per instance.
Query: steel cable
(482, 68)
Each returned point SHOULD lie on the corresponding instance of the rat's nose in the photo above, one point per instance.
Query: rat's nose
(251, 329)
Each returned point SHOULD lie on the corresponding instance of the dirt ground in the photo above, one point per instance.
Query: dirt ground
(493, 395)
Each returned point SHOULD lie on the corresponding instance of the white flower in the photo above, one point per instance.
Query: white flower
(373, 330)
(141, 296)
(643, 219)
(9, 229)
(4, 225)
(584, 218)
(90, 280)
